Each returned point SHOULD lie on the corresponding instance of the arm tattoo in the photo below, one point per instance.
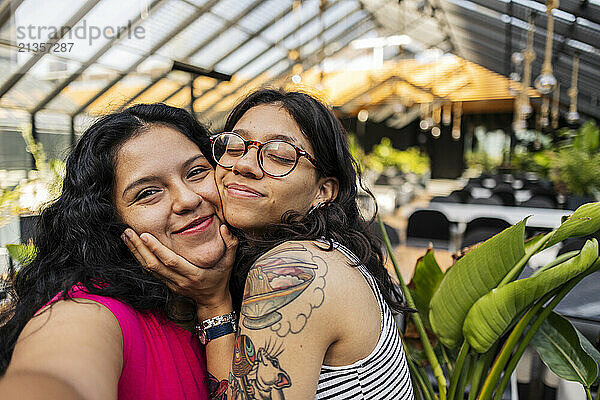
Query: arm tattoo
(256, 374)
(217, 389)
(276, 280)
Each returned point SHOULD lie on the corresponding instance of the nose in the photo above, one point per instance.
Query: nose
(184, 199)
(247, 165)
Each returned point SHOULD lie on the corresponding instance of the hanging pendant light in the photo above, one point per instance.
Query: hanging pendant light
(555, 105)
(514, 77)
(447, 114)
(546, 82)
(457, 111)
(544, 120)
(437, 114)
(573, 115)
(523, 107)
(424, 123)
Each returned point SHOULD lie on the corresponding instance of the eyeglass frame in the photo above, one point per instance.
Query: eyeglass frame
(259, 146)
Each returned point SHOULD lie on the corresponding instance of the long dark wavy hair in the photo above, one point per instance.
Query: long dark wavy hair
(338, 220)
(78, 235)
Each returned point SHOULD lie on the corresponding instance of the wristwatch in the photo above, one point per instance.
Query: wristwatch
(215, 327)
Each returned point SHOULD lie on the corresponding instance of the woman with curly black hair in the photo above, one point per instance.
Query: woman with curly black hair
(85, 320)
(313, 295)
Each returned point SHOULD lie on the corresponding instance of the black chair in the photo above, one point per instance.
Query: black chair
(505, 192)
(457, 196)
(391, 232)
(428, 226)
(482, 229)
(490, 201)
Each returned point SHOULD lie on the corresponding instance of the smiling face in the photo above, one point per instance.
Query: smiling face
(165, 186)
(253, 200)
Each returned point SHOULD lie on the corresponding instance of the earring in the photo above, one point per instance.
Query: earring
(313, 208)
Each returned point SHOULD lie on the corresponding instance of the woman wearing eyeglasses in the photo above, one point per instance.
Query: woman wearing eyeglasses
(315, 302)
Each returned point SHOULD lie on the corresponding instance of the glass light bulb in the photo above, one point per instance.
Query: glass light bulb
(545, 83)
(519, 125)
(573, 117)
(526, 109)
(516, 58)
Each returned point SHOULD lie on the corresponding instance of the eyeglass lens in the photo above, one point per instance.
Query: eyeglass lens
(275, 158)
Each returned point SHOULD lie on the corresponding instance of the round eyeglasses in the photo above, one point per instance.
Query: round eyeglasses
(276, 158)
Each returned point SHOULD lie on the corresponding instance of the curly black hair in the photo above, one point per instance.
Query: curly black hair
(78, 235)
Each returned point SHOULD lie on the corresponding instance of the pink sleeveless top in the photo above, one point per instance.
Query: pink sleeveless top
(160, 359)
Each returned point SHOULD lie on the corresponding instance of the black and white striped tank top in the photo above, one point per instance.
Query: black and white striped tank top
(381, 375)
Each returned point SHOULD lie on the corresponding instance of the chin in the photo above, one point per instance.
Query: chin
(207, 255)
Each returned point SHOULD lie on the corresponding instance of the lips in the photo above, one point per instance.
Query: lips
(196, 226)
(237, 190)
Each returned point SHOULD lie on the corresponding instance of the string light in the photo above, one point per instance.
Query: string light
(546, 82)
(457, 120)
(573, 115)
(447, 114)
(555, 105)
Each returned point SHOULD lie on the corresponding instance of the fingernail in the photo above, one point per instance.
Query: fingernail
(144, 238)
(127, 233)
(124, 237)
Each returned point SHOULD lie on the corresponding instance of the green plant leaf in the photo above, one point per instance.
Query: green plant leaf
(584, 221)
(591, 351)
(587, 138)
(472, 277)
(22, 253)
(561, 348)
(533, 241)
(493, 313)
(425, 282)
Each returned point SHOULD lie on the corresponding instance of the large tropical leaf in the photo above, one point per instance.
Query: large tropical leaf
(584, 221)
(473, 276)
(22, 253)
(493, 313)
(591, 351)
(562, 349)
(533, 242)
(425, 282)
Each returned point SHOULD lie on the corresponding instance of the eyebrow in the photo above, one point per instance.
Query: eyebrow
(153, 178)
(274, 136)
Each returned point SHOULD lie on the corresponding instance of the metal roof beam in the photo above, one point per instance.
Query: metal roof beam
(94, 58)
(184, 24)
(204, 44)
(389, 79)
(248, 62)
(18, 75)
(465, 18)
(280, 41)
(7, 9)
(306, 65)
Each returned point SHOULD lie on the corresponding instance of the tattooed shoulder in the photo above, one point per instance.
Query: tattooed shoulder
(279, 278)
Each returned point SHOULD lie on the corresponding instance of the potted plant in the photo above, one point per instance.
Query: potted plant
(474, 321)
(575, 167)
(43, 184)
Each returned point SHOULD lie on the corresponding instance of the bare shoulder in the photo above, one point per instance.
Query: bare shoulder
(289, 280)
(72, 317)
(77, 341)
